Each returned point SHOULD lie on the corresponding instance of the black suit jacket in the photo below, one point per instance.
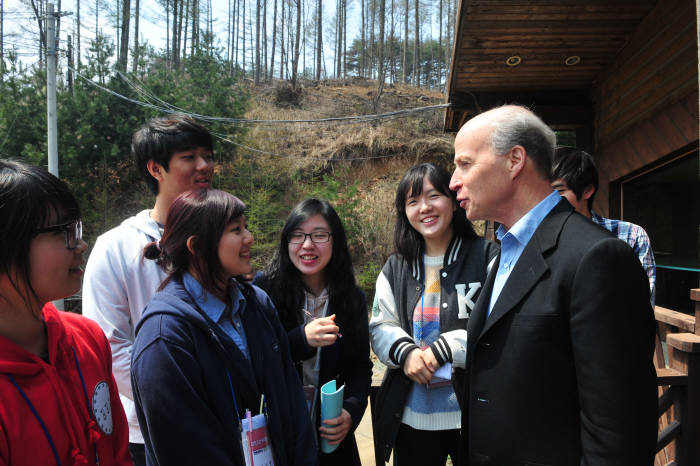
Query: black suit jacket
(561, 372)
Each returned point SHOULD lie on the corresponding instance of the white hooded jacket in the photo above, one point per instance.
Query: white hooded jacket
(117, 286)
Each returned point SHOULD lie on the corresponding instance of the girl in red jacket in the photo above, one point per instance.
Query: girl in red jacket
(59, 401)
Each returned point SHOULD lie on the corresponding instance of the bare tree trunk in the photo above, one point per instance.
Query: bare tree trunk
(274, 41)
(404, 58)
(256, 72)
(70, 62)
(439, 68)
(361, 67)
(137, 8)
(282, 42)
(2, 40)
(117, 26)
(448, 34)
(380, 59)
(297, 39)
(124, 45)
(181, 15)
(345, 39)
(372, 39)
(237, 29)
(39, 16)
(243, 38)
(77, 43)
(174, 48)
(58, 22)
(167, 28)
(264, 41)
(319, 35)
(416, 48)
(187, 23)
(392, 40)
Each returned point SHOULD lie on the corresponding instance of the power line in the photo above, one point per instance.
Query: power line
(167, 108)
(259, 151)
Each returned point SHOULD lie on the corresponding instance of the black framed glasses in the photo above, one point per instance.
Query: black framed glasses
(72, 230)
(316, 237)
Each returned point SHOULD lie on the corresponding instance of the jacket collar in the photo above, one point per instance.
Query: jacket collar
(531, 266)
(450, 257)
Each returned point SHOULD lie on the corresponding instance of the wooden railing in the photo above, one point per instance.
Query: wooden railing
(677, 360)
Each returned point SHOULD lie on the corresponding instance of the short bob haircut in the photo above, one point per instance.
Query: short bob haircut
(30, 198)
(287, 288)
(161, 137)
(577, 168)
(407, 241)
(204, 214)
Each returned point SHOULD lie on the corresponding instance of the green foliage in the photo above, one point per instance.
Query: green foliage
(95, 125)
(366, 276)
(344, 200)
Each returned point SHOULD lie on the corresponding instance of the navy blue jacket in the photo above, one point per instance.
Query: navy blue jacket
(185, 372)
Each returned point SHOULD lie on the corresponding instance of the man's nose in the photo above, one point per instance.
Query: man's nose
(454, 182)
(203, 163)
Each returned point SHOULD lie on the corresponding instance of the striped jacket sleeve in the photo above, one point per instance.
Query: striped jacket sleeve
(389, 341)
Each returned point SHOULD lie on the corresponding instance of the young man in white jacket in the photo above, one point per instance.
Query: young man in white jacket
(174, 155)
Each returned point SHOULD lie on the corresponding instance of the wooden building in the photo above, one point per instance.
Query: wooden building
(618, 78)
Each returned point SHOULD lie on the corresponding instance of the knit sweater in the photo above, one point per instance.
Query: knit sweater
(430, 407)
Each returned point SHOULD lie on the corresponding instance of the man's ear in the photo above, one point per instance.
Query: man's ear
(515, 160)
(588, 191)
(191, 244)
(155, 169)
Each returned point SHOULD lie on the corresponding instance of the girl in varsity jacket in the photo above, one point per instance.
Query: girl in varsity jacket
(423, 298)
(60, 404)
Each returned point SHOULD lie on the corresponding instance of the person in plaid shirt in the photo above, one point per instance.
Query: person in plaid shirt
(575, 177)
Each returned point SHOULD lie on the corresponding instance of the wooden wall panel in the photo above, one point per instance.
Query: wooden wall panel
(657, 68)
(672, 128)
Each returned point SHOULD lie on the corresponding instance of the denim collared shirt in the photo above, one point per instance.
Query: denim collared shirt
(228, 318)
(513, 241)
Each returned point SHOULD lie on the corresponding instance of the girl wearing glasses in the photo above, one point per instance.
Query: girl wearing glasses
(423, 298)
(209, 346)
(311, 281)
(60, 404)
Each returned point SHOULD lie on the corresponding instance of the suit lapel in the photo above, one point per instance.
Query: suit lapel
(481, 307)
(531, 265)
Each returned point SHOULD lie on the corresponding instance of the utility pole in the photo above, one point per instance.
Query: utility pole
(51, 124)
(51, 89)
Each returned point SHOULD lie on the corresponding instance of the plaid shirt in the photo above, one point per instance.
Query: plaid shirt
(637, 238)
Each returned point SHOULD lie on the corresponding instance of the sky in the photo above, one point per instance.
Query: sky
(152, 29)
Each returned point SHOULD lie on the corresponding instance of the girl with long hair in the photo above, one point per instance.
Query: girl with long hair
(424, 295)
(311, 281)
(60, 403)
(210, 348)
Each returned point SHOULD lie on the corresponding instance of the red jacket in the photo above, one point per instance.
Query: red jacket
(74, 396)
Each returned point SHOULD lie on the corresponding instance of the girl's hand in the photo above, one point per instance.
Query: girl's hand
(321, 331)
(334, 430)
(416, 368)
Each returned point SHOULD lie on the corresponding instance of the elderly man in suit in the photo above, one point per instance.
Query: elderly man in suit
(559, 357)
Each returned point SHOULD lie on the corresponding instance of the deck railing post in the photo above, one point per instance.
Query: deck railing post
(684, 356)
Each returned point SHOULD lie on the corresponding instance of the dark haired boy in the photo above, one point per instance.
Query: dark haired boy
(174, 155)
(576, 178)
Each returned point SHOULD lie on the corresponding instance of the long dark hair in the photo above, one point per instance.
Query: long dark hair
(407, 241)
(283, 280)
(30, 198)
(204, 214)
